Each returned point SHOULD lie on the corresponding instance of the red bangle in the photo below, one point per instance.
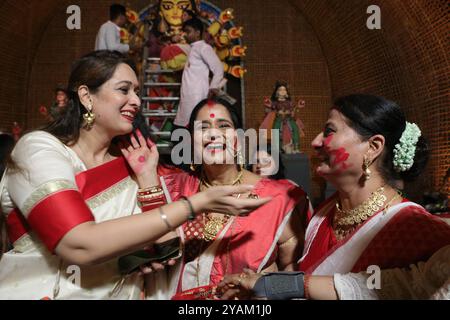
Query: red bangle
(306, 279)
(151, 207)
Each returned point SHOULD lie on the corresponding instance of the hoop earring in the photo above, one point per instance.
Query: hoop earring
(89, 117)
(366, 165)
(192, 167)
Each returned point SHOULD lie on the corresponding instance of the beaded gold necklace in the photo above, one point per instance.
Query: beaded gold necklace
(345, 221)
(213, 225)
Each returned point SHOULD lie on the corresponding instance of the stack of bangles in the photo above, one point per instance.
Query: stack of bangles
(151, 198)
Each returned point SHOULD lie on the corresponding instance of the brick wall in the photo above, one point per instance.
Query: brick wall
(321, 47)
(406, 61)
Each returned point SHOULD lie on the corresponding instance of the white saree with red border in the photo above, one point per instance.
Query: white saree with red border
(244, 242)
(50, 194)
(402, 235)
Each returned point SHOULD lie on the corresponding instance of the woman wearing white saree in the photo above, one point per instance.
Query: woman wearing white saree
(72, 201)
(365, 150)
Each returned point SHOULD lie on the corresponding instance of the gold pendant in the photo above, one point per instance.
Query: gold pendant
(212, 228)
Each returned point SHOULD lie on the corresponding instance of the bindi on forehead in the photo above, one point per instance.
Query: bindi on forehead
(210, 106)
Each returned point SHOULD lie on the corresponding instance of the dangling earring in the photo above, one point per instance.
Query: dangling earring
(240, 160)
(89, 117)
(192, 167)
(366, 164)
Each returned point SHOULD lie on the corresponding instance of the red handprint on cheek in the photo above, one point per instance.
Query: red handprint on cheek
(340, 155)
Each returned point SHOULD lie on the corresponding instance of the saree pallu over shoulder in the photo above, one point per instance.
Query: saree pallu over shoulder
(403, 235)
(54, 200)
(46, 211)
(245, 242)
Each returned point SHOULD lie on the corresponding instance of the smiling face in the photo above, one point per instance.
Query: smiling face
(116, 102)
(215, 140)
(172, 10)
(340, 149)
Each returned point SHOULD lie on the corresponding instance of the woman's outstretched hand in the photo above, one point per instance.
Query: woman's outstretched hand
(238, 286)
(142, 156)
(223, 199)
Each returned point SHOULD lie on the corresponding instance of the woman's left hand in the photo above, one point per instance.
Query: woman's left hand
(142, 156)
(238, 286)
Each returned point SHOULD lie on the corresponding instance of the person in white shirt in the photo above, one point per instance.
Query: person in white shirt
(195, 85)
(108, 37)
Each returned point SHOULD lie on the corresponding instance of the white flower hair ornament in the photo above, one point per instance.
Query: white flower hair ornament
(405, 150)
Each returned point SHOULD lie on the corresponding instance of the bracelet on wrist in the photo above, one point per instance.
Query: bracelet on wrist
(166, 221)
(280, 286)
(191, 215)
(306, 279)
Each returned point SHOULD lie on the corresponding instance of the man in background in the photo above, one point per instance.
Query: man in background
(108, 37)
(195, 85)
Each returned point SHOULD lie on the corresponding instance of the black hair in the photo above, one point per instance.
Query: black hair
(195, 24)
(234, 114)
(6, 145)
(116, 10)
(370, 115)
(279, 84)
(92, 70)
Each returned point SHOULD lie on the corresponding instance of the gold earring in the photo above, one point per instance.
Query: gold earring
(89, 117)
(240, 160)
(192, 167)
(366, 164)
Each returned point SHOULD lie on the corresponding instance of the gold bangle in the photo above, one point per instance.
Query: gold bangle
(148, 190)
(150, 196)
(164, 218)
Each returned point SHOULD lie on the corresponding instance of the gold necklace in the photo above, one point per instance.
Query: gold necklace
(346, 222)
(213, 225)
(207, 184)
(362, 212)
(227, 256)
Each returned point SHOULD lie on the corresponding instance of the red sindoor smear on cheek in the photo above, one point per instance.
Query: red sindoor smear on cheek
(340, 155)
(327, 141)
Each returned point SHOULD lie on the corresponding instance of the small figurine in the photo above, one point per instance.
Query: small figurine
(61, 100)
(280, 114)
